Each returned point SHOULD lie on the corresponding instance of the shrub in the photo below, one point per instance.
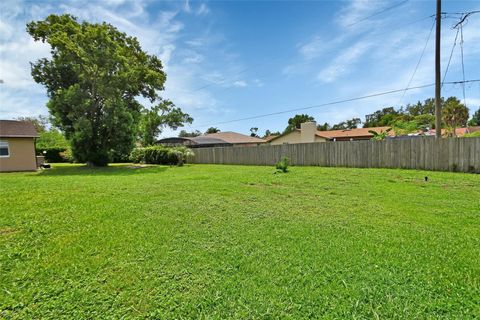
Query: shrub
(283, 164)
(472, 135)
(55, 154)
(161, 155)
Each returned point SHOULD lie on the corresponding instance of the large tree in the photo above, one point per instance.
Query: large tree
(152, 121)
(349, 124)
(296, 121)
(41, 123)
(455, 114)
(379, 118)
(475, 121)
(93, 79)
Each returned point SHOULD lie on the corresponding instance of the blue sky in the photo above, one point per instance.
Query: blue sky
(227, 60)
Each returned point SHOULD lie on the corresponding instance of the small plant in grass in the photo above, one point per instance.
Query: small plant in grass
(283, 164)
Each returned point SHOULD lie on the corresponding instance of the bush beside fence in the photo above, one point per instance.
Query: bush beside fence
(449, 154)
(161, 155)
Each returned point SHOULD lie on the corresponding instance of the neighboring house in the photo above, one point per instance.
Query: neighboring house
(459, 132)
(308, 133)
(270, 137)
(17, 146)
(353, 134)
(219, 139)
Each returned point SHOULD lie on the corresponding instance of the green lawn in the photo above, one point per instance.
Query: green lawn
(205, 241)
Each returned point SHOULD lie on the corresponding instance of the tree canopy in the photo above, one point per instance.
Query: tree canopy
(186, 134)
(475, 121)
(296, 121)
(212, 130)
(93, 79)
(455, 114)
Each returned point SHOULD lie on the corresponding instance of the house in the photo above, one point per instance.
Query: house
(459, 132)
(308, 133)
(17, 146)
(353, 134)
(219, 139)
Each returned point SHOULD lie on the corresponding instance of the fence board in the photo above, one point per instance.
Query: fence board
(451, 154)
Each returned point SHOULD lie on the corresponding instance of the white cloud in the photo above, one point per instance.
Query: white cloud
(203, 10)
(343, 64)
(240, 84)
(356, 10)
(158, 33)
(258, 82)
(186, 6)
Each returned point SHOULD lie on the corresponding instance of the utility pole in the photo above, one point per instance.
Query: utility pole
(438, 103)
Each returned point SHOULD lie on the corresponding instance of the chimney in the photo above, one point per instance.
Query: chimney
(307, 131)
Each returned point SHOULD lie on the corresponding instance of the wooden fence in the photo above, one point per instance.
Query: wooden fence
(452, 154)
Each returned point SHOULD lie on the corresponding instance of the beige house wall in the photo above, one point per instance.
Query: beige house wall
(294, 137)
(21, 155)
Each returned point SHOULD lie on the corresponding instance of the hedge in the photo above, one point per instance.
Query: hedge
(161, 155)
(55, 154)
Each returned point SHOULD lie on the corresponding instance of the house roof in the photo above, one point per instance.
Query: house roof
(17, 129)
(271, 137)
(231, 137)
(351, 133)
(458, 131)
(207, 140)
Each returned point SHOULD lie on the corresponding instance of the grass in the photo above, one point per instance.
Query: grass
(205, 241)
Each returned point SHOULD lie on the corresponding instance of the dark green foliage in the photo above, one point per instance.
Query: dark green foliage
(427, 107)
(51, 139)
(212, 130)
(160, 155)
(472, 135)
(93, 79)
(283, 164)
(155, 119)
(323, 127)
(270, 133)
(55, 154)
(475, 121)
(455, 114)
(185, 134)
(296, 121)
(378, 136)
(349, 124)
(380, 118)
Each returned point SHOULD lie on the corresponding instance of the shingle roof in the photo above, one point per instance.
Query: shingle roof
(458, 131)
(351, 133)
(207, 140)
(271, 137)
(233, 137)
(13, 128)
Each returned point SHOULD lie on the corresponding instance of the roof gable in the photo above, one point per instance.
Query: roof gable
(17, 129)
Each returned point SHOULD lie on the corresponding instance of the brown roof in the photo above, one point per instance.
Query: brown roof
(458, 131)
(234, 138)
(271, 137)
(351, 133)
(13, 128)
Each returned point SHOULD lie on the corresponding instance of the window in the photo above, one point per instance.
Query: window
(4, 149)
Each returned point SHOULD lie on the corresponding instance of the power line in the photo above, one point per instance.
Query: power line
(335, 102)
(377, 13)
(419, 60)
(463, 66)
(235, 77)
(450, 58)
